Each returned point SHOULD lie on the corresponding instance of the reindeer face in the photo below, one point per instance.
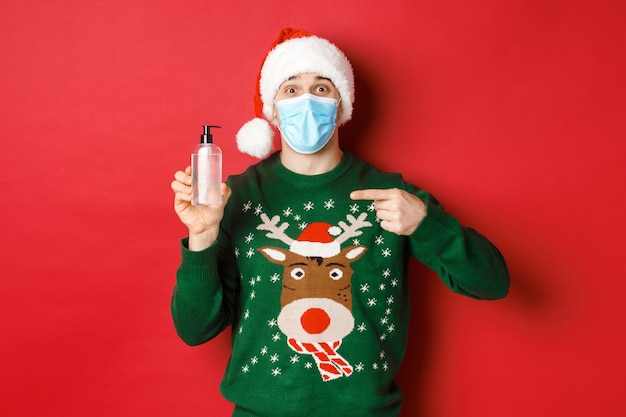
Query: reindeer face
(316, 298)
(315, 276)
(324, 278)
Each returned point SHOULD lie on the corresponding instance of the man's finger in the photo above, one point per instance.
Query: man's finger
(182, 177)
(369, 194)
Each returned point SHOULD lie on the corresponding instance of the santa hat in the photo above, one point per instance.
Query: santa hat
(294, 52)
(317, 240)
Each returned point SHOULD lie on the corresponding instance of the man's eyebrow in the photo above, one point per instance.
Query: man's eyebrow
(319, 78)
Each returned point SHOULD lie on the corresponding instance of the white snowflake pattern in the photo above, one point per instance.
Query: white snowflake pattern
(390, 300)
(252, 295)
(247, 207)
(356, 242)
(249, 238)
(275, 277)
(258, 210)
(365, 287)
(394, 282)
(236, 252)
(384, 320)
(276, 371)
(385, 366)
(374, 366)
(246, 314)
(272, 323)
(309, 206)
(302, 226)
(245, 369)
(371, 207)
(329, 204)
(264, 350)
(297, 217)
(387, 252)
(354, 208)
(361, 328)
(250, 253)
(386, 273)
(276, 337)
(379, 240)
(382, 337)
(388, 311)
(381, 287)
(287, 212)
(371, 302)
(254, 360)
(308, 365)
(359, 367)
(274, 358)
(381, 355)
(391, 328)
(294, 359)
(252, 282)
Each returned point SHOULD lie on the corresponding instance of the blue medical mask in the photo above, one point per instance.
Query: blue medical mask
(307, 122)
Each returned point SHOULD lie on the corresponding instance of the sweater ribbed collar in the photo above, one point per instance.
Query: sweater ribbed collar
(318, 180)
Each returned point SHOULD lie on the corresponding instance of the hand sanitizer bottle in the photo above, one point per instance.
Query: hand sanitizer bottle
(206, 171)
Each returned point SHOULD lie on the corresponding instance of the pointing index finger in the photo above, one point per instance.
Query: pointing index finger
(368, 194)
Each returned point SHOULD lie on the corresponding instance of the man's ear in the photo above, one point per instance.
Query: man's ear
(339, 109)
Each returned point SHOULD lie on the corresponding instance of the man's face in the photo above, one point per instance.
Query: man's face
(306, 83)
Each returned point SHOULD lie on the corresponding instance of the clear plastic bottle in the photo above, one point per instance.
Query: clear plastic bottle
(206, 171)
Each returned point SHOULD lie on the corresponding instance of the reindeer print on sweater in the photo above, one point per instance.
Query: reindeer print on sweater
(311, 251)
(316, 300)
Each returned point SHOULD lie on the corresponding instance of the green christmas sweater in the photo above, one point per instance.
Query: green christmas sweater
(316, 291)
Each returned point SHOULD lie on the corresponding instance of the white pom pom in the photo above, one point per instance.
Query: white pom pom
(334, 231)
(256, 138)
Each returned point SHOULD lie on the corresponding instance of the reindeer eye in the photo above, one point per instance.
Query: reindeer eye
(297, 273)
(336, 274)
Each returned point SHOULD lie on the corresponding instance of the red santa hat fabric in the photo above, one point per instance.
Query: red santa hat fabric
(317, 240)
(294, 52)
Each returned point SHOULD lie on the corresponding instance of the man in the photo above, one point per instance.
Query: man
(307, 256)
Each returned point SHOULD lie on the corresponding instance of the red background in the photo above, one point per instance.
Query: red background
(510, 112)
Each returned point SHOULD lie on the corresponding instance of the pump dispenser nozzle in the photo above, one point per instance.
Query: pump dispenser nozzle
(207, 137)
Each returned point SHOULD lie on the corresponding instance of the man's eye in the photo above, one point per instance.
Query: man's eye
(290, 90)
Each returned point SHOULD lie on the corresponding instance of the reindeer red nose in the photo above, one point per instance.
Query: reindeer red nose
(315, 320)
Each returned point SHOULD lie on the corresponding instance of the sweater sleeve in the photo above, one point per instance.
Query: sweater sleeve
(465, 260)
(203, 300)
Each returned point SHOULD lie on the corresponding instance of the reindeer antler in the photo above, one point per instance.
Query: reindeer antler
(274, 231)
(353, 229)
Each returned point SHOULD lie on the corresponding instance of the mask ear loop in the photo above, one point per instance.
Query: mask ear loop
(275, 121)
(337, 113)
(336, 117)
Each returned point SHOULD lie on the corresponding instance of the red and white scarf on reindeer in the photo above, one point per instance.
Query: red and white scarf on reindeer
(330, 364)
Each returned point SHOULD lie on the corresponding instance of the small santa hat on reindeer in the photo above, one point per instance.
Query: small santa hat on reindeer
(317, 240)
(295, 51)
